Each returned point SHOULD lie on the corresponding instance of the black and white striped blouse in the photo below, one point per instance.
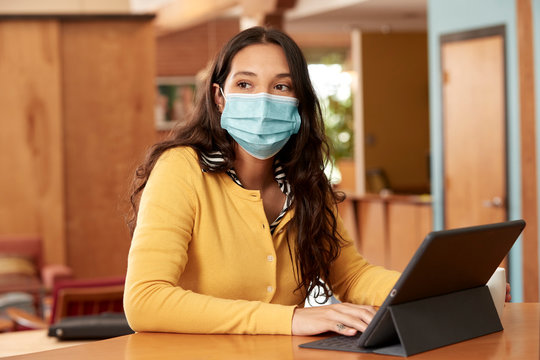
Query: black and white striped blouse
(215, 159)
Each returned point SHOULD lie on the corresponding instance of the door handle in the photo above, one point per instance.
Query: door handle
(495, 202)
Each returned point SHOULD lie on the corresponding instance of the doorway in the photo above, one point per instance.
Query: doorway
(474, 127)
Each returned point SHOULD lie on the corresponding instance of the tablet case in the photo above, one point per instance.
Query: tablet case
(438, 301)
(102, 326)
(429, 323)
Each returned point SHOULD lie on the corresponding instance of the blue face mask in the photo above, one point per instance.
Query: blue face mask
(261, 123)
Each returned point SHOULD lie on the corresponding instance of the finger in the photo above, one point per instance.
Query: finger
(508, 297)
(359, 324)
(353, 308)
(357, 320)
(362, 315)
(344, 329)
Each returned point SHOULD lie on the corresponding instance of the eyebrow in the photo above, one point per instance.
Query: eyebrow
(284, 75)
(249, 73)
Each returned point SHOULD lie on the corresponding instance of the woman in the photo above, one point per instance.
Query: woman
(237, 222)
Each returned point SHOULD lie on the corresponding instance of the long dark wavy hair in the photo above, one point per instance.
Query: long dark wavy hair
(315, 243)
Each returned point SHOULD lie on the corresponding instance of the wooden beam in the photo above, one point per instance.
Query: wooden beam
(529, 196)
(265, 12)
(65, 7)
(179, 14)
(358, 112)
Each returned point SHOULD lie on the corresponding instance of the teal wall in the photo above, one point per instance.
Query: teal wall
(451, 16)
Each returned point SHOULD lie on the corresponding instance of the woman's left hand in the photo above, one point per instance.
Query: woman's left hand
(508, 297)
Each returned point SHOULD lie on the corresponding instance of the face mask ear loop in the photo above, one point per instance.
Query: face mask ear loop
(220, 108)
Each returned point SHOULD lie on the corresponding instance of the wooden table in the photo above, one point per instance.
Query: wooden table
(519, 340)
(23, 342)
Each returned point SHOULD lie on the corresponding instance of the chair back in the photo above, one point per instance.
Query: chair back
(20, 263)
(27, 246)
(87, 297)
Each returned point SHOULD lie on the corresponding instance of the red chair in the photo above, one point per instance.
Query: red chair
(87, 297)
(76, 298)
(22, 268)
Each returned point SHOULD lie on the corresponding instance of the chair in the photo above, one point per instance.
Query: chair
(377, 181)
(88, 297)
(75, 298)
(22, 268)
(20, 264)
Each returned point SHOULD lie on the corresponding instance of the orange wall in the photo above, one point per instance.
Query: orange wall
(186, 52)
(395, 73)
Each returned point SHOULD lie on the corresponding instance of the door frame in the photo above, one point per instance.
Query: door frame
(498, 30)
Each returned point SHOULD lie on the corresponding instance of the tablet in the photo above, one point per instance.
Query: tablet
(446, 262)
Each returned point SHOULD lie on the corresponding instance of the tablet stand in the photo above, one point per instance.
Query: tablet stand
(442, 320)
(430, 323)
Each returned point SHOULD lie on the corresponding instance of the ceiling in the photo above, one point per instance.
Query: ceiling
(367, 15)
(330, 16)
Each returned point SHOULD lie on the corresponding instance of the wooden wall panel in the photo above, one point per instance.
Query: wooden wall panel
(372, 223)
(390, 228)
(408, 224)
(31, 187)
(186, 52)
(108, 77)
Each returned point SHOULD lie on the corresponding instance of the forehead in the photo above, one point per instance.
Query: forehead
(260, 58)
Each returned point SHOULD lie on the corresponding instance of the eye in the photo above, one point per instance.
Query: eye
(282, 87)
(243, 85)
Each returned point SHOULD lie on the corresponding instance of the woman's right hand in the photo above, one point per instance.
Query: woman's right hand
(345, 319)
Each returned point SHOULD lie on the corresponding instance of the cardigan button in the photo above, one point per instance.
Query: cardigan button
(269, 289)
(270, 258)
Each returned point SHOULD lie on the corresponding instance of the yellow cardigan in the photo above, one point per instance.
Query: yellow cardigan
(202, 259)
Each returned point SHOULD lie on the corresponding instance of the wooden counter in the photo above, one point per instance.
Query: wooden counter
(387, 229)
